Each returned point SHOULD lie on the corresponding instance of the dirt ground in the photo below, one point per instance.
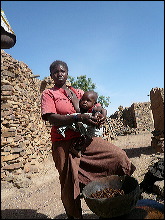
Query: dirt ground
(41, 200)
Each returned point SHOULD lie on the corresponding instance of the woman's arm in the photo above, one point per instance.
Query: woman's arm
(62, 120)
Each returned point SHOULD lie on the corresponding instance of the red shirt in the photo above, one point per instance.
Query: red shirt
(55, 101)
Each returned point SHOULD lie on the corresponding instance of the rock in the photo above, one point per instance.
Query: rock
(10, 157)
(21, 182)
(27, 167)
(31, 168)
(12, 166)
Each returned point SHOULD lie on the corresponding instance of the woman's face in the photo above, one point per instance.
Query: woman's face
(59, 75)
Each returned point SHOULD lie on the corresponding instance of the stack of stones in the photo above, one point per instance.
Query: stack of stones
(114, 127)
(138, 116)
(157, 106)
(143, 118)
(133, 120)
(24, 142)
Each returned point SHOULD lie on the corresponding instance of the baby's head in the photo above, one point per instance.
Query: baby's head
(88, 100)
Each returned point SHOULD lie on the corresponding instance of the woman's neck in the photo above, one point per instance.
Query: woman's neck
(61, 86)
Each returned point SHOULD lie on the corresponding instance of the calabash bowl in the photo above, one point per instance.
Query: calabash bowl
(114, 206)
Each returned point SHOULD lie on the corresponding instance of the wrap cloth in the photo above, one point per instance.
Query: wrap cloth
(99, 158)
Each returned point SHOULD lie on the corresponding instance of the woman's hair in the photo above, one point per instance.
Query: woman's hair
(57, 63)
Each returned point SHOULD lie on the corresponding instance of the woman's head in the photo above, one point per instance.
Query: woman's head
(88, 100)
(57, 63)
(59, 72)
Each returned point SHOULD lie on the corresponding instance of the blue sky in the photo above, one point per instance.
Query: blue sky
(118, 44)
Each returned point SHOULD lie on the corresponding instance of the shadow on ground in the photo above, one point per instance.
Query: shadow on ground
(32, 214)
(136, 152)
(85, 216)
(21, 214)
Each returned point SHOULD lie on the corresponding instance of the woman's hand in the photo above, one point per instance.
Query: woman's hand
(100, 118)
(88, 119)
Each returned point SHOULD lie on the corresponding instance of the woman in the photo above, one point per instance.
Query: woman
(98, 158)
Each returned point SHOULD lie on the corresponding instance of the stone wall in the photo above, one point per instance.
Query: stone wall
(143, 118)
(25, 139)
(130, 120)
(157, 106)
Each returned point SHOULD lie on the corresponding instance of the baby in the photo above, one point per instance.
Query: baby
(86, 105)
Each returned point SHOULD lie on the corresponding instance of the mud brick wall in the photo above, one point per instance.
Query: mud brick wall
(139, 116)
(143, 118)
(46, 83)
(157, 106)
(131, 120)
(112, 128)
(129, 117)
(25, 139)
